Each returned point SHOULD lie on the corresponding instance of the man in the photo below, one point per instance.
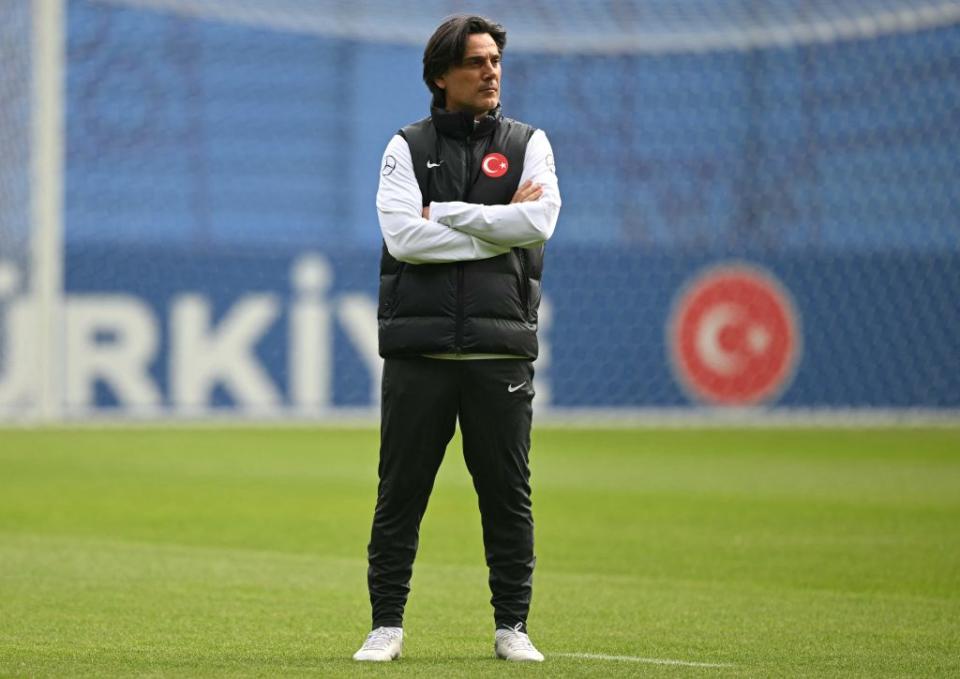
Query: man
(467, 200)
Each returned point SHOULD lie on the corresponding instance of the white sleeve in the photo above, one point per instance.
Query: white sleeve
(409, 237)
(516, 224)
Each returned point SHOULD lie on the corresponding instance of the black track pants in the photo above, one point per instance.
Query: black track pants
(422, 400)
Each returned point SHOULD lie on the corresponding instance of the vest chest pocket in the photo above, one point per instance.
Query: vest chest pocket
(389, 290)
(524, 283)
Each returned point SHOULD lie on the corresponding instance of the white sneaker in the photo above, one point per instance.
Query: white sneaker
(512, 644)
(382, 645)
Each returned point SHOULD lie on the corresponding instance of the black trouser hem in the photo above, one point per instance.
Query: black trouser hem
(510, 623)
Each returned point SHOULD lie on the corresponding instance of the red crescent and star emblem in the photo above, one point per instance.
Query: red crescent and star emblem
(734, 336)
(494, 165)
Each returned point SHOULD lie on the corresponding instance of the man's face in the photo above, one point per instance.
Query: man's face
(474, 84)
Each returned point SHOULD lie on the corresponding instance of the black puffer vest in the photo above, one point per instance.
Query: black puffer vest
(485, 306)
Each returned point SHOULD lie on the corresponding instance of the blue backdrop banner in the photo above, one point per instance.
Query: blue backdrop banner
(184, 330)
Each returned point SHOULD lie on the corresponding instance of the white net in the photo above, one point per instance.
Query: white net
(577, 27)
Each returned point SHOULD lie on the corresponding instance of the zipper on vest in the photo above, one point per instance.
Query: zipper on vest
(458, 341)
(467, 167)
(467, 174)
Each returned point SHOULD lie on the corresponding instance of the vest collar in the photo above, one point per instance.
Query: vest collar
(460, 124)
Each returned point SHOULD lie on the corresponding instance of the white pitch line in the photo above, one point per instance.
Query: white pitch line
(633, 658)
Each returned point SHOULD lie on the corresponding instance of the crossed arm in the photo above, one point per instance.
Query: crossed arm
(526, 192)
(458, 231)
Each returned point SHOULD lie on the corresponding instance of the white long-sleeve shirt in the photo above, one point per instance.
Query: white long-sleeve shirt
(458, 231)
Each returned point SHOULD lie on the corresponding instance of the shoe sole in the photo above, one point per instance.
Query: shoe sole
(390, 659)
(505, 658)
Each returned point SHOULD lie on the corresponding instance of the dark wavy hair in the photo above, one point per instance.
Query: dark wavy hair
(448, 43)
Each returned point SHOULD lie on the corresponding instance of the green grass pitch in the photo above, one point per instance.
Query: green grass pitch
(758, 553)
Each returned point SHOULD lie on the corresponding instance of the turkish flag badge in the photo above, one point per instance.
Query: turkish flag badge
(494, 165)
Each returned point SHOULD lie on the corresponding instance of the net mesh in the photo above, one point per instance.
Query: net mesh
(760, 200)
(15, 93)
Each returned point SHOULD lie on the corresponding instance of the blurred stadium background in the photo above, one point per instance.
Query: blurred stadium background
(760, 225)
(760, 204)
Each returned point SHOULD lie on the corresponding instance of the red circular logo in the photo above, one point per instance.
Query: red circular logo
(734, 336)
(494, 165)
